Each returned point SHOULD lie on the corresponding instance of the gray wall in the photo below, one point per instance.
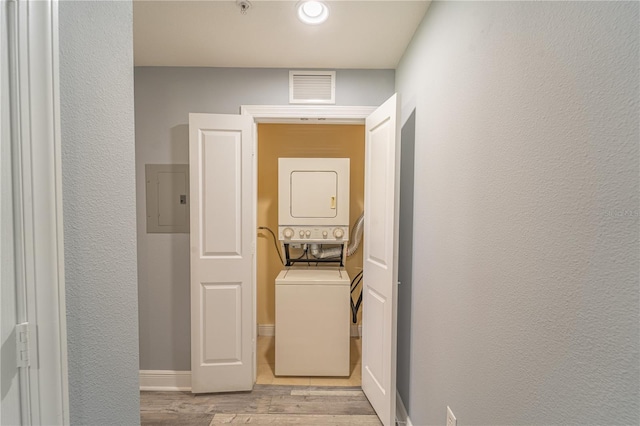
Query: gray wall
(405, 255)
(164, 97)
(526, 256)
(96, 91)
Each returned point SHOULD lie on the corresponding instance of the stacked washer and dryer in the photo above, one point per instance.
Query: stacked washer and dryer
(313, 291)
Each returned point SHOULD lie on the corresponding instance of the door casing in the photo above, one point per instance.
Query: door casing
(293, 114)
(31, 110)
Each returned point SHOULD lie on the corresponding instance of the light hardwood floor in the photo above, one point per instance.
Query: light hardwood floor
(312, 401)
(265, 405)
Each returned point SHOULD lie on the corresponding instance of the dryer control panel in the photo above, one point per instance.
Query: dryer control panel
(313, 234)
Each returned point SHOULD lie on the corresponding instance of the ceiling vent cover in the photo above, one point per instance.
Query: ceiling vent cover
(312, 87)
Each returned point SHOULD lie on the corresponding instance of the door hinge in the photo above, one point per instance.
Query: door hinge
(22, 345)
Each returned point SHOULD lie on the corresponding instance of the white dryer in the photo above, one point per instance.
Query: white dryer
(312, 322)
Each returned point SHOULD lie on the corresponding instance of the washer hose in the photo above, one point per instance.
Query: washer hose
(356, 238)
(356, 235)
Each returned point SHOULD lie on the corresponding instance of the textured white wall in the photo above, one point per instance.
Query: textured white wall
(164, 97)
(525, 295)
(97, 124)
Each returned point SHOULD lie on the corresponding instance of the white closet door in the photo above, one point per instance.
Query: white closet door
(222, 238)
(380, 260)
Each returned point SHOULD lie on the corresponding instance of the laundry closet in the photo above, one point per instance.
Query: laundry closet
(338, 366)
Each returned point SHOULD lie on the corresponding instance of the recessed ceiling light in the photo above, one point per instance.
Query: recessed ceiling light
(313, 12)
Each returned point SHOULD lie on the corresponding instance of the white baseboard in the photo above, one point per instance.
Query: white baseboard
(356, 330)
(270, 330)
(266, 330)
(165, 380)
(402, 418)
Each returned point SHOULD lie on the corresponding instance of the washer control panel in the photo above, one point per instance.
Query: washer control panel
(313, 234)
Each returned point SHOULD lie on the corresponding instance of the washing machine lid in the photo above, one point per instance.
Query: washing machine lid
(313, 275)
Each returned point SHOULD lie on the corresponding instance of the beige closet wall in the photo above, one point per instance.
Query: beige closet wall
(300, 140)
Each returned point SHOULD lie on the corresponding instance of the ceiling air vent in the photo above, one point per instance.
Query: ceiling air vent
(312, 87)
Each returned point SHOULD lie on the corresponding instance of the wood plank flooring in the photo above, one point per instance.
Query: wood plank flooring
(265, 405)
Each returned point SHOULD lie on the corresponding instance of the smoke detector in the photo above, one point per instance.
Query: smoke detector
(244, 5)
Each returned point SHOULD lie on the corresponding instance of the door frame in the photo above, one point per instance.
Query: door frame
(291, 114)
(31, 40)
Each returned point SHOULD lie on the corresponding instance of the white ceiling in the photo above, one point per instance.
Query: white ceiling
(358, 34)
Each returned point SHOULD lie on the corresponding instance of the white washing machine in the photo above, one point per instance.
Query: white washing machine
(312, 322)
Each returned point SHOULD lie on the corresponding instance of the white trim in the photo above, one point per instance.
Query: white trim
(35, 121)
(318, 114)
(270, 330)
(165, 380)
(254, 261)
(356, 330)
(307, 114)
(402, 418)
(266, 330)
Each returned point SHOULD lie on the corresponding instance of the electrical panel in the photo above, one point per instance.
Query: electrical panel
(167, 198)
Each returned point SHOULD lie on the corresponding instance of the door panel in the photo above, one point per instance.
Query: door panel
(374, 318)
(221, 252)
(222, 193)
(377, 157)
(380, 261)
(221, 323)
